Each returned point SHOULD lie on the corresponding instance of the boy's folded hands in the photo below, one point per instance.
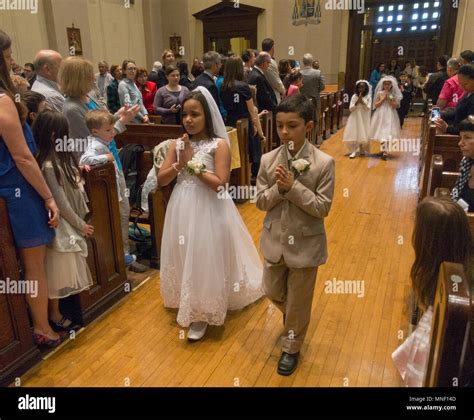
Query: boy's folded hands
(285, 179)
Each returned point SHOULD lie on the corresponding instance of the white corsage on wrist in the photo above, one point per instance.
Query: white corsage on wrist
(195, 166)
(391, 97)
(300, 166)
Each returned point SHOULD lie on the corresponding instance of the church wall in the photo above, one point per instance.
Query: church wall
(464, 38)
(27, 31)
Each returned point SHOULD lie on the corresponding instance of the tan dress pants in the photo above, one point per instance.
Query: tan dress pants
(291, 291)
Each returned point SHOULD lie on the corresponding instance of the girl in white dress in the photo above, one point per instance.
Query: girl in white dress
(385, 124)
(209, 263)
(357, 131)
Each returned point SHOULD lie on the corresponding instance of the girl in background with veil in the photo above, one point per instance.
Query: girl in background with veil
(209, 263)
(357, 131)
(385, 124)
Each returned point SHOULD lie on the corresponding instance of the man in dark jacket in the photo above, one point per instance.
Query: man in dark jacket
(212, 65)
(266, 98)
(435, 83)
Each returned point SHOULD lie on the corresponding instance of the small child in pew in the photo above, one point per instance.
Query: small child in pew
(293, 83)
(385, 124)
(66, 266)
(441, 233)
(357, 131)
(101, 125)
(407, 89)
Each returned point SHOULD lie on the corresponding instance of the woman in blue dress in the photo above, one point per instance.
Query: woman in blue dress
(32, 211)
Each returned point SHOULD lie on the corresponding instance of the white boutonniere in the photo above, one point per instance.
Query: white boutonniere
(195, 166)
(300, 166)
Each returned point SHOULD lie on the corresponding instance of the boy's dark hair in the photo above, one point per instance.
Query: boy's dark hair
(299, 105)
(467, 124)
(198, 96)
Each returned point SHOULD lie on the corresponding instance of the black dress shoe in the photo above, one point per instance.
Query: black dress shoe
(287, 364)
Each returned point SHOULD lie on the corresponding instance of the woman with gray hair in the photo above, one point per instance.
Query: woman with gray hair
(452, 91)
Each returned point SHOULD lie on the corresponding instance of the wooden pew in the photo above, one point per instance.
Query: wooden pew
(148, 135)
(18, 352)
(438, 177)
(450, 328)
(267, 126)
(334, 110)
(157, 202)
(340, 108)
(155, 119)
(326, 116)
(106, 257)
(444, 145)
(442, 182)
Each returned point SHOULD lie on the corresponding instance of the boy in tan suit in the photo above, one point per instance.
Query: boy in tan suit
(295, 186)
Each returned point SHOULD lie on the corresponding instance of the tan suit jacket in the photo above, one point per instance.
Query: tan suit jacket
(294, 226)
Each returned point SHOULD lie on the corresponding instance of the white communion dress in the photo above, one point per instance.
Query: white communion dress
(209, 263)
(357, 131)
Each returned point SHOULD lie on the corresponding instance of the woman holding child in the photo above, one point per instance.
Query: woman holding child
(76, 78)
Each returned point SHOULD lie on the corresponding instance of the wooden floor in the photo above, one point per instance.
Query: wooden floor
(349, 341)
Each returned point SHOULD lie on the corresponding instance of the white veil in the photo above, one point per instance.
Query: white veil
(367, 83)
(396, 92)
(217, 121)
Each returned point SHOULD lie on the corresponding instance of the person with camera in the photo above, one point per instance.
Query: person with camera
(169, 99)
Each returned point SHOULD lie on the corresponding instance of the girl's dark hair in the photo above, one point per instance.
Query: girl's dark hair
(198, 96)
(379, 65)
(291, 78)
(467, 70)
(234, 70)
(6, 84)
(32, 100)
(366, 88)
(50, 130)
(467, 124)
(183, 68)
(170, 69)
(284, 66)
(297, 75)
(441, 233)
